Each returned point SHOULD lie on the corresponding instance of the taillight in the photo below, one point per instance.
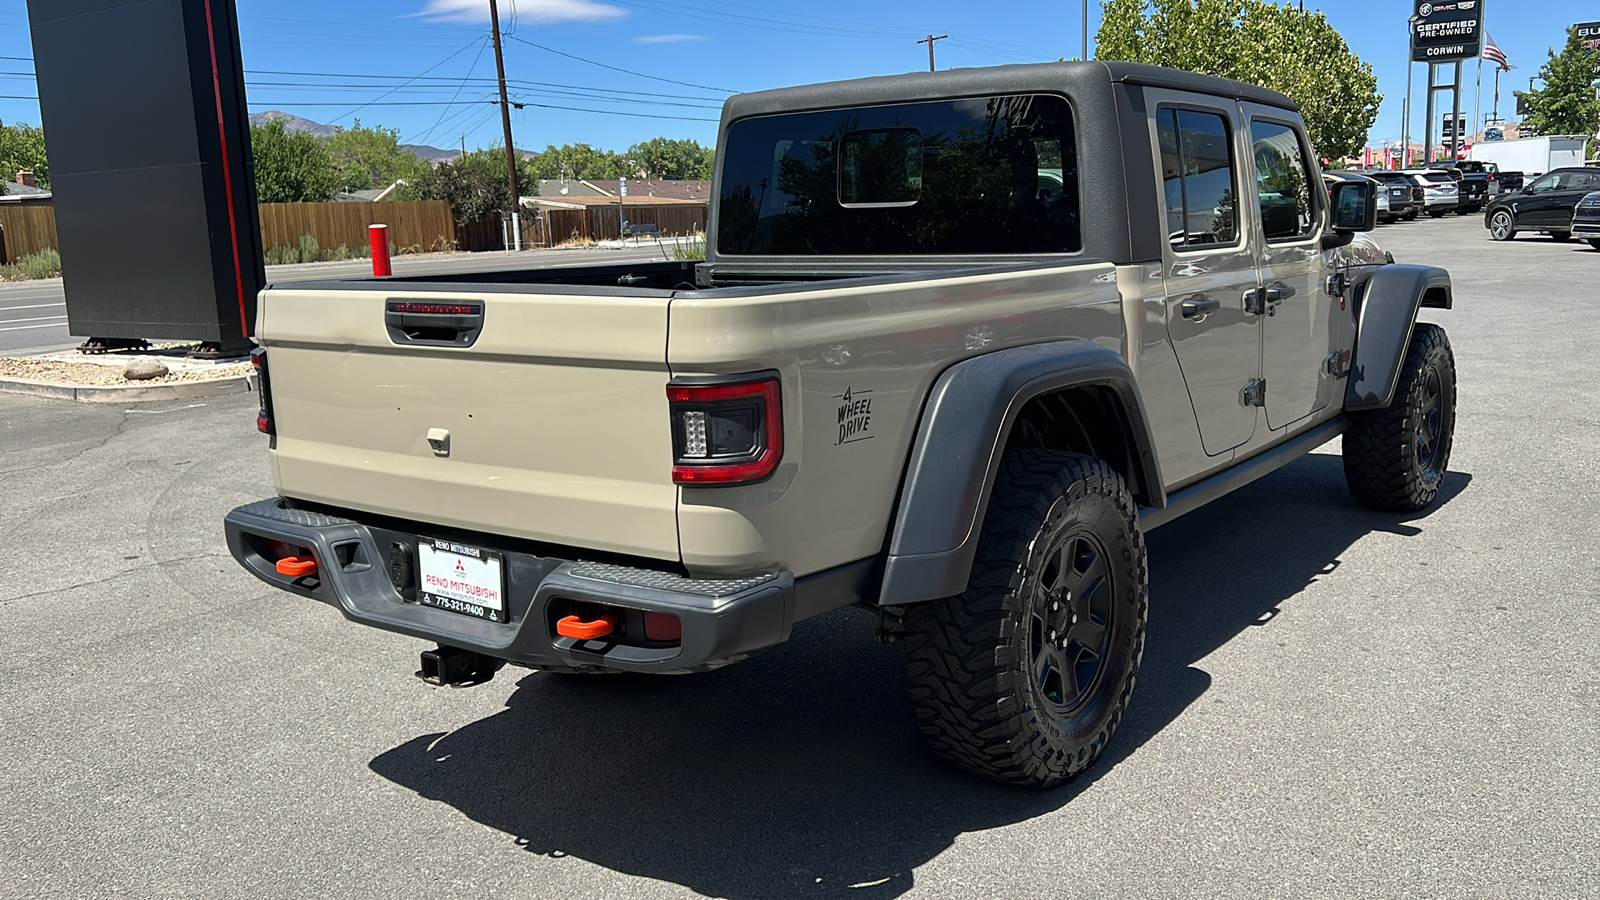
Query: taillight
(726, 433)
(258, 358)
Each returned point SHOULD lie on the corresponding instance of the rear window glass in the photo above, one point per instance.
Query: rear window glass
(1438, 177)
(995, 175)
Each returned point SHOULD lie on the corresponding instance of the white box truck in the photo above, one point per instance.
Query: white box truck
(1532, 156)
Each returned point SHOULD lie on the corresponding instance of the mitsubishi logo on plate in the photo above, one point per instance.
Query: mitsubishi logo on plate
(460, 567)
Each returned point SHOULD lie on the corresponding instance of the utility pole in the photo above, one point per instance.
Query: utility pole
(929, 41)
(505, 122)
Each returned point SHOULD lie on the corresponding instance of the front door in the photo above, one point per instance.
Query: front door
(1551, 199)
(1209, 267)
(1298, 333)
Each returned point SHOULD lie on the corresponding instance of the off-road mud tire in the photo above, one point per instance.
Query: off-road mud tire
(974, 659)
(1395, 458)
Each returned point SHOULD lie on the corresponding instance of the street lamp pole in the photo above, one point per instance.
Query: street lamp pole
(1085, 56)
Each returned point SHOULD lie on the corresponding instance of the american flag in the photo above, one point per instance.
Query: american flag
(1493, 54)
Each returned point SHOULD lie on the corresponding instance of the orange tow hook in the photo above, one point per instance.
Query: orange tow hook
(296, 566)
(587, 629)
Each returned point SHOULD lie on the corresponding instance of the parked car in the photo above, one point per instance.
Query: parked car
(1440, 193)
(1586, 219)
(1545, 206)
(966, 424)
(1405, 195)
(1385, 211)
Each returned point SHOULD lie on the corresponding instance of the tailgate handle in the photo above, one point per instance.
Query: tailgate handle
(432, 323)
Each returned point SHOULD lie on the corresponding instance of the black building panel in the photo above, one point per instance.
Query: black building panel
(148, 134)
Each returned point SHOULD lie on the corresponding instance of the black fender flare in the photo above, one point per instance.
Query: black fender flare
(1387, 312)
(955, 457)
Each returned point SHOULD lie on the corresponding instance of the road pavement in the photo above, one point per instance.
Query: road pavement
(33, 314)
(1334, 702)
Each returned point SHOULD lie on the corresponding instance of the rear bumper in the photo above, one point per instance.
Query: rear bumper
(721, 619)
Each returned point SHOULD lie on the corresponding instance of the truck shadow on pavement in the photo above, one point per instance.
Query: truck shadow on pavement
(801, 771)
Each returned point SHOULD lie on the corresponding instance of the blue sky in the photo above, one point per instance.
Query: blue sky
(352, 59)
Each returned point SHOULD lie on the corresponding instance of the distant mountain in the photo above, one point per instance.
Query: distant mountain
(431, 154)
(296, 123)
(293, 123)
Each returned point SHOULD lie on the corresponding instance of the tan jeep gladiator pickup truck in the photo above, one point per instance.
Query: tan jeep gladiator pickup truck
(959, 340)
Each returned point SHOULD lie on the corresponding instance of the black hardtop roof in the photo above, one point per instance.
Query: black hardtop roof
(988, 81)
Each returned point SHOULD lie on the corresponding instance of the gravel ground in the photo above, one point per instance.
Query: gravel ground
(94, 373)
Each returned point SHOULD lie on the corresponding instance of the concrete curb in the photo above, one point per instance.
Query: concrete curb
(129, 393)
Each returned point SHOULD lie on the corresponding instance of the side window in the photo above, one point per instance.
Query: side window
(1202, 204)
(1283, 182)
(1547, 183)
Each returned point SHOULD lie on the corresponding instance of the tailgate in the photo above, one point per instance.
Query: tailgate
(556, 414)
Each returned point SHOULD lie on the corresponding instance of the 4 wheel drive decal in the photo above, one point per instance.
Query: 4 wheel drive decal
(855, 416)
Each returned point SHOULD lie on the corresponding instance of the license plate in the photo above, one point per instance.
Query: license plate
(462, 579)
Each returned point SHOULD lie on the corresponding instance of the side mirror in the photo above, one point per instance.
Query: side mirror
(1353, 207)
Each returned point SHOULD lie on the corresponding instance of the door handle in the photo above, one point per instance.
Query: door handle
(1199, 306)
(1263, 301)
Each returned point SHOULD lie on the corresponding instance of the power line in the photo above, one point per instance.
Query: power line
(598, 112)
(423, 72)
(459, 88)
(481, 80)
(602, 65)
(578, 94)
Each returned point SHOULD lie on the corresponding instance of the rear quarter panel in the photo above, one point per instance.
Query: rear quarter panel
(881, 345)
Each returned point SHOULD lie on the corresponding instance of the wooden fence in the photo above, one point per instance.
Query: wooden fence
(600, 223)
(27, 228)
(420, 225)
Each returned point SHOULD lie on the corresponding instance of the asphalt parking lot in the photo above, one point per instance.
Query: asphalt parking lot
(1334, 702)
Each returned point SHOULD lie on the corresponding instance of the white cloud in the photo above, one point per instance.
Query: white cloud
(526, 11)
(668, 38)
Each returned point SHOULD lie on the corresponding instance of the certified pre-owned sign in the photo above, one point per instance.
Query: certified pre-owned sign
(1446, 30)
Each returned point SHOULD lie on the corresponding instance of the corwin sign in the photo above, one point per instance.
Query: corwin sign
(1446, 30)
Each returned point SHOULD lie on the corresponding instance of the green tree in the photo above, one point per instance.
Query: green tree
(1279, 47)
(671, 159)
(291, 166)
(578, 161)
(22, 147)
(367, 158)
(475, 185)
(1567, 103)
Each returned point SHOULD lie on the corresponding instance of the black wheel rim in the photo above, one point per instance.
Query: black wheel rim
(1070, 626)
(1430, 422)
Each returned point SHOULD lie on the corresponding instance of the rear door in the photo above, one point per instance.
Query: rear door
(1298, 332)
(1209, 264)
